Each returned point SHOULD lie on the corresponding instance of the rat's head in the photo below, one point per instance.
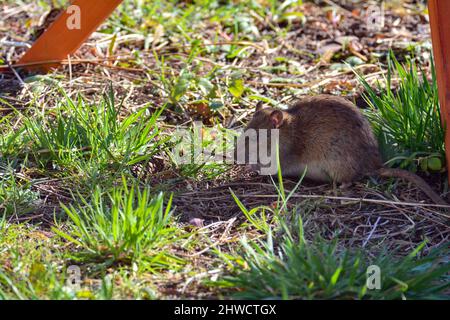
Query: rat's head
(266, 118)
(256, 146)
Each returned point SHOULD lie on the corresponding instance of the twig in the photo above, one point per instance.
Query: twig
(412, 204)
(371, 232)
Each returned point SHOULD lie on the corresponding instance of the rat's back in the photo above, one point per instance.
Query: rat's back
(335, 136)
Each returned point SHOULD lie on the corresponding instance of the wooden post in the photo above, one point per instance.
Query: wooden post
(70, 30)
(439, 11)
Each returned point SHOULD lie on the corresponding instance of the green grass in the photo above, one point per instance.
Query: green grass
(10, 138)
(407, 120)
(32, 266)
(76, 134)
(123, 226)
(81, 150)
(284, 265)
(16, 196)
(87, 142)
(179, 18)
(288, 267)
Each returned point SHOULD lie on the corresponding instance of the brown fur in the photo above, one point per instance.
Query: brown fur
(331, 137)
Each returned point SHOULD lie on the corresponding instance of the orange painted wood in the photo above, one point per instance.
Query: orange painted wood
(439, 11)
(58, 41)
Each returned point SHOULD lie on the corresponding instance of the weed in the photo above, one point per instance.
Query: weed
(407, 121)
(16, 196)
(295, 269)
(124, 225)
(82, 136)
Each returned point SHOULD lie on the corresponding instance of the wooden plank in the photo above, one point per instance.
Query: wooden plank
(64, 36)
(440, 34)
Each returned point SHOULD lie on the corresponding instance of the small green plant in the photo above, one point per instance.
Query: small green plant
(407, 121)
(200, 152)
(43, 281)
(34, 266)
(81, 135)
(29, 263)
(285, 11)
(124, 225)
(11, 141)
(16, 196)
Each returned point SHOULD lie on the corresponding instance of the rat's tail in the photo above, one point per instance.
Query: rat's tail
(413, 178)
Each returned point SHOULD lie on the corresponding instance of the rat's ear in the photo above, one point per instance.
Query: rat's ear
(277, 118)
(259, 106)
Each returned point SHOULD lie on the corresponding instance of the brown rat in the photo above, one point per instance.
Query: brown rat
(332, 138)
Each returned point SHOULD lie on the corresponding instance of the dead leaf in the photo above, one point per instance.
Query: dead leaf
(159, 33)
(334, 17)
(356, 13)
(328, 51)
(200, 109)
(355, 47)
